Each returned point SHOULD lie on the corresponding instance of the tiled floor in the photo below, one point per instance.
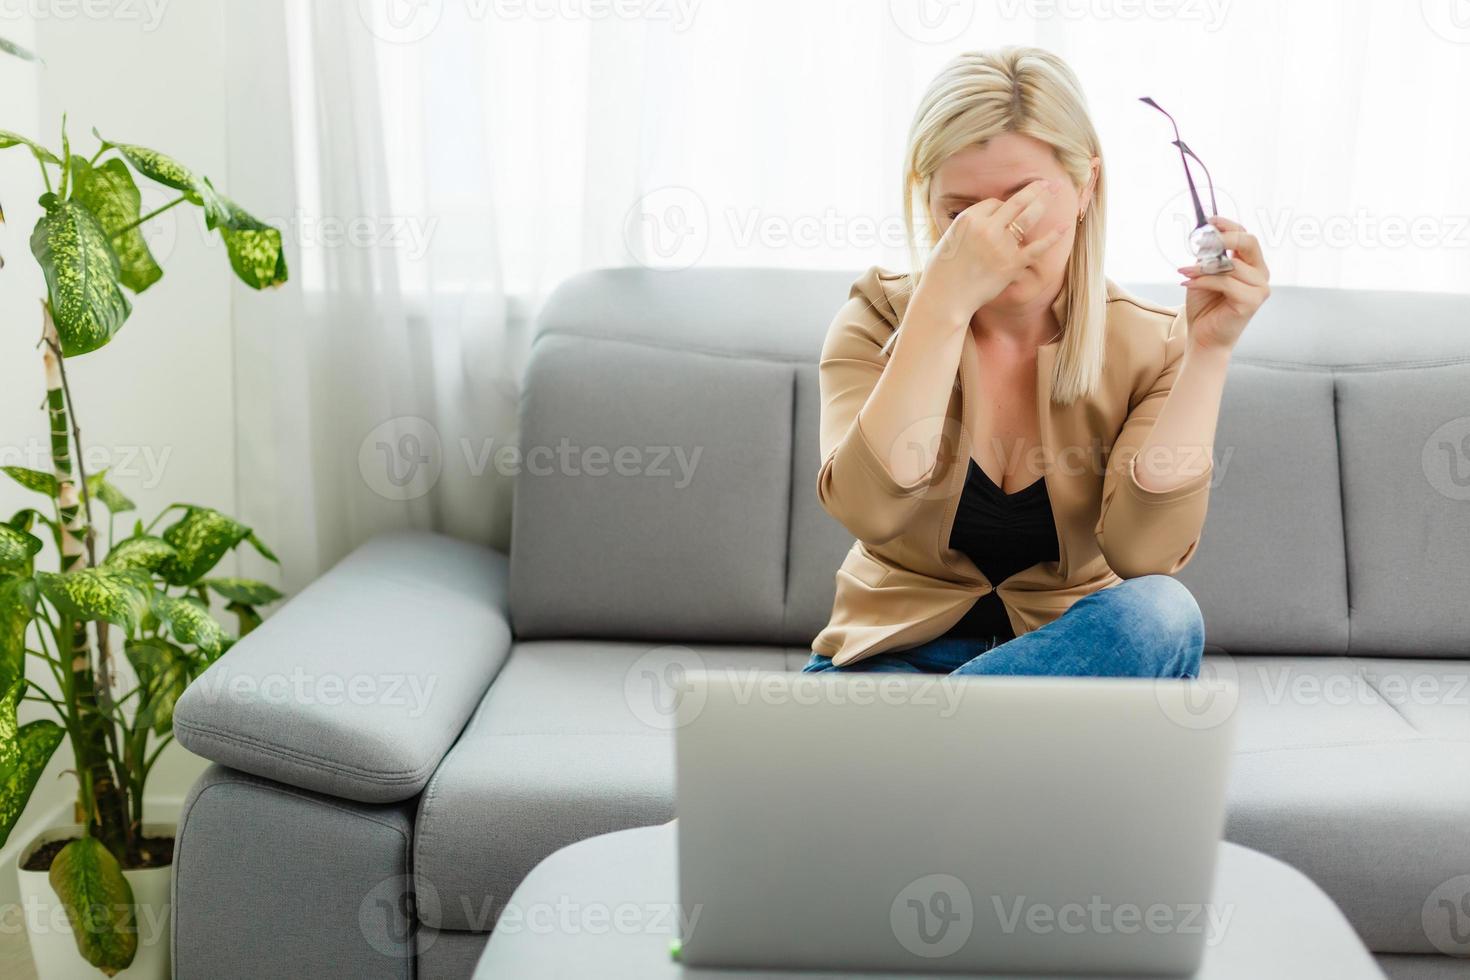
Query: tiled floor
(15, 957)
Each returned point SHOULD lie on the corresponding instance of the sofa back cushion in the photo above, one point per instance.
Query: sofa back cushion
(1364, 394)
(656, 433)
(669, 436)
(1269, 573)
(1406, 502)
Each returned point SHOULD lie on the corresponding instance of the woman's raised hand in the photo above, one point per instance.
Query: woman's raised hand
(1217, 307)
(984, 249)
(979, 255)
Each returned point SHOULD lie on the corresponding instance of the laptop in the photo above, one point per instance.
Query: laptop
(922, 823)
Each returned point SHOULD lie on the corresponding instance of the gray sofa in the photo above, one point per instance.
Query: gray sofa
(409, 736)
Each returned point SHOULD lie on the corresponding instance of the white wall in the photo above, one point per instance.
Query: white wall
(157, 402)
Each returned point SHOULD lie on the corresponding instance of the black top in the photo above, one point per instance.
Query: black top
(1002, 533)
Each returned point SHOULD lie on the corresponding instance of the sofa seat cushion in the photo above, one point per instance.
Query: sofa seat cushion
(1357, 772)
(573, 739)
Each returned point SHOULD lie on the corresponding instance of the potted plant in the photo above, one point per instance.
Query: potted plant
(138, 595)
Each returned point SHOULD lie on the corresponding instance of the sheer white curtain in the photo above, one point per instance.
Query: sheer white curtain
(452, 160)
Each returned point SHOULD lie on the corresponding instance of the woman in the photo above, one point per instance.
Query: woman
(1021, 449)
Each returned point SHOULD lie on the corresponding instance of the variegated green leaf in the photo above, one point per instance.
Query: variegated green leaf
(254, 247)
(8, 139)
(87, 302)
(259, 546)
(29, 517)
(17, 606)
(246, 590)
(188, 623)
(109, 193)
(98, 902)
(113, 498)
(145, 552)
(17, 548)
(11, 48)
(116, 595)
(163, 671)
(246, 615)
(171, 173)
(23, 759)
(24, 752)
(201, 538)
(33, 479)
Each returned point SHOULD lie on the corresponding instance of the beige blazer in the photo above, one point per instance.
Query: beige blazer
(901, 584)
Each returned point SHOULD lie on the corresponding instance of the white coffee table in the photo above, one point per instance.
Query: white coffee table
(606, 907)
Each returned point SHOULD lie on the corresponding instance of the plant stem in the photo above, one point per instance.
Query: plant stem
(76, 433)
(68, 718)
(161, 515)
(119, 702)
(65, 157)
(89, 538)
(104, 654)
(60, 709)
(73, 549)
(102, 795)
(150, 216)
(50, 662)
(163, 743)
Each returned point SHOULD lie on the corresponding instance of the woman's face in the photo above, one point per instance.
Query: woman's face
(998, 169)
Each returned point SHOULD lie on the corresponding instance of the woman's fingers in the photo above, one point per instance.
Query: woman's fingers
(1244, 244)
(1228, 286)
(1221, 284)
(1243, 271)
(1032, 213)
(1239, 241)
(984, 208)
(1035, 248)
(1021, 200)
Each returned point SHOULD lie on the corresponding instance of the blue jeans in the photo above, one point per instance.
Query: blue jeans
(1142, 627)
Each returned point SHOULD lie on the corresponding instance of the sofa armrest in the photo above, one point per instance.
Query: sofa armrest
(360, 684)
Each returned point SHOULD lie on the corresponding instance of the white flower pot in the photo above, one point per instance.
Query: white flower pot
(55, 949)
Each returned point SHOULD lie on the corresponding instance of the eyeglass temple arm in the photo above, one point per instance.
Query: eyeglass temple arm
(1199, 210)
(1214, 208)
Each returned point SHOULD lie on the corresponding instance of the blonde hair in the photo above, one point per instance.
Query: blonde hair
(980, 95)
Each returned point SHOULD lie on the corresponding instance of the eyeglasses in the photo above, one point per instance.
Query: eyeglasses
(1205, 241)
